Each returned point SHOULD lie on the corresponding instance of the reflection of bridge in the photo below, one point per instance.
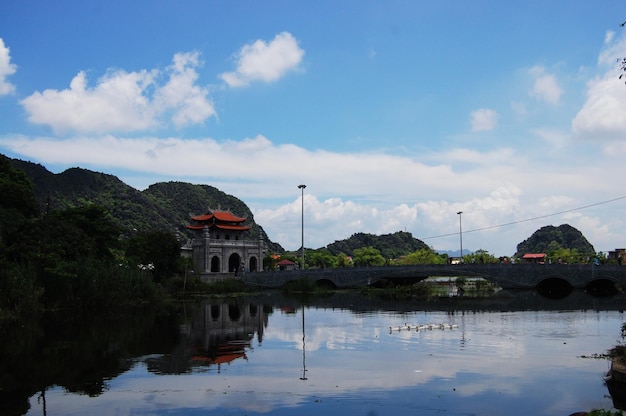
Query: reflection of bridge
(507, 276)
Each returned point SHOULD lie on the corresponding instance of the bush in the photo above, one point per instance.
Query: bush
(301, 285)
(19, 293)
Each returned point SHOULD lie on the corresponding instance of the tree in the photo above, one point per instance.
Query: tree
(342, 260)
(422, 256)
(159, 249)
(368, 256)
(321, 258)
(482, 257)
(17, 201)
(67, 236)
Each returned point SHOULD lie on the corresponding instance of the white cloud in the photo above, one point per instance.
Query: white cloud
(370, 192)
(6, 69)
(124, 101)
(546, 87)
(181, 95)
(484, 119)
(266, 62)
(602, 116)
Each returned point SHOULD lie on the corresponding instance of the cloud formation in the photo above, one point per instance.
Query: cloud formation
(603, 115)
(546, 87)
(484, 119)
(125, 101)
(6, 69)
(265, 62)
(372, 192)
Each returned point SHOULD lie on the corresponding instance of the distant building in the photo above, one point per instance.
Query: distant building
(286, 265)
(536, 258)
(219, 246)
(619, 254)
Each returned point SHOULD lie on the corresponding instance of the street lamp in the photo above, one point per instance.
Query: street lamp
(301, 187)
(460, 214)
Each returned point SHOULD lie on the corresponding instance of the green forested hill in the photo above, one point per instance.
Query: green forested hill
(163, 206)
(184, 199)
(550, 238)
(391, 246)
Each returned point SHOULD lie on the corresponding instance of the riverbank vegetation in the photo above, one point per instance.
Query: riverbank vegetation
(74, 258)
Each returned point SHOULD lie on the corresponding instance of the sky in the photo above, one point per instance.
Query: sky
(396, 115)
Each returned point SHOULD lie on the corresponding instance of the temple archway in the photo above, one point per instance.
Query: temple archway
(234, 262)
(215, 264)
(253, 264)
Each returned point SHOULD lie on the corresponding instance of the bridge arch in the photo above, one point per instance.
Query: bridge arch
(602, 287)
(325, 284)
(554, 287)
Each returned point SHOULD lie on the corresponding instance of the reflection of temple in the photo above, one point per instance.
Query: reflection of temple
(221, 333)
(219, 246)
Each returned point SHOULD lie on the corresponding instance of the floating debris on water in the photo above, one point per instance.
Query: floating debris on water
(409, 327)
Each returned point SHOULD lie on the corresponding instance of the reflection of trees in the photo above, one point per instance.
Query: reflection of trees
(81, 353)
(616, 377)
(77, 352)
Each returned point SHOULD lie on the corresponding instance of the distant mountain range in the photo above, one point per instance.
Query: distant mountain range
(167, 206)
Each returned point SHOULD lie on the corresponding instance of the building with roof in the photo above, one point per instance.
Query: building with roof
(619, 254)
(537, 258)
(219, 245)
(286, 265)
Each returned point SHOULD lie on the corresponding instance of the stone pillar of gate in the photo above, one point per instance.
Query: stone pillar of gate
(206, 244)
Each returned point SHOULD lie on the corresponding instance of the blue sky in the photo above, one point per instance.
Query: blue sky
(395, 114)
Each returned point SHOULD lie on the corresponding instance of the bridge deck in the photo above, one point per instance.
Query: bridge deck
(507, 276)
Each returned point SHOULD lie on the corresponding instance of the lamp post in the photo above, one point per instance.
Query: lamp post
(301, 187)
(460, 214)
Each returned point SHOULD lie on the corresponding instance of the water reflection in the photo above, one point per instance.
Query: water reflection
(218, 334)
(511, 354)
(77, 352)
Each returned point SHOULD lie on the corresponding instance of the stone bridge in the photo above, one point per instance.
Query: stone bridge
(506, 276)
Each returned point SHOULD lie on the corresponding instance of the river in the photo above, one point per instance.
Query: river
(512, 354)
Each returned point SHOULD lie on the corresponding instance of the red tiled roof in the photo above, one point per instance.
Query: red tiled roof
(218, 215)
(220, 226)
(232, 227)
(227, 216)
(534, 255)
(203, 217)
(285, 263)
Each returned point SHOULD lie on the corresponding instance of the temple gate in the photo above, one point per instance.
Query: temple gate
(219, 246)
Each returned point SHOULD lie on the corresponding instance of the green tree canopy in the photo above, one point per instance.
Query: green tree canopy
(68, 235)
(549, 238)
(390, 246)
(17, 202)
(368, 256)
(321, 258)
(422, 256)
(157, 248)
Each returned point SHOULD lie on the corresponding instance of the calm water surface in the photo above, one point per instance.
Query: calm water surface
(338, 356)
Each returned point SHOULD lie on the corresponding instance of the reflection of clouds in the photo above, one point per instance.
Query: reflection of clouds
(489, 353)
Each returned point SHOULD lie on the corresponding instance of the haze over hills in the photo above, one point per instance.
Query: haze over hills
(168, 205)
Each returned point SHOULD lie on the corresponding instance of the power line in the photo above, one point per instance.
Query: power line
(527, 220)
